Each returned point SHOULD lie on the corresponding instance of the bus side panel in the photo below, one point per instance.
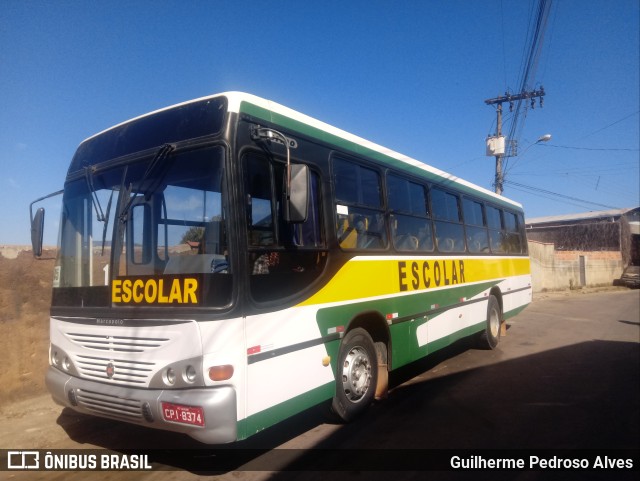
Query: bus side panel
(288, 367)
(518, 296)
(223, 344)
(291, 355)
(456, 323)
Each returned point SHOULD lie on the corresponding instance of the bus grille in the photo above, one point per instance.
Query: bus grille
(116, 343)
(110, 406)
(125, 355)
(116, 370)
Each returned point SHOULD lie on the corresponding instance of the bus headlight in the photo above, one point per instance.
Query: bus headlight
(179, 374)
(60, 360)
(190, 374)
(170, 376)
(55, 357)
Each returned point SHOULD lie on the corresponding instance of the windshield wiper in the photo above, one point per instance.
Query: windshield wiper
(100, 215)
(106, 222)
(88, 174)
(156, 167)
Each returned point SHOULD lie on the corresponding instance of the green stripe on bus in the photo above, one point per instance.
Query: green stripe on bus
(404, 344)
(514, 312)
(273, 415)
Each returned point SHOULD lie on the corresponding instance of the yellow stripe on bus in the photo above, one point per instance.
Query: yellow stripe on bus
(364, 277)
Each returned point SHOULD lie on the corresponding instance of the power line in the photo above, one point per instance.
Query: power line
(507, 169)
(598, 181)
(549, 41)
(610, 125)
(556, 194)
(504, 50)
(549, 197)
(590, 148)
(535, 38)
(531, 57)
(609, 169)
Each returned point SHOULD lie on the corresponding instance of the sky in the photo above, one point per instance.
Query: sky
(412, 76)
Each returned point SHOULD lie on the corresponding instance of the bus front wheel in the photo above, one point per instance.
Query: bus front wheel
(490, 337)
(356, 376)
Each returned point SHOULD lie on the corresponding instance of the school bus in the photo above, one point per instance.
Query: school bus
(228, 262)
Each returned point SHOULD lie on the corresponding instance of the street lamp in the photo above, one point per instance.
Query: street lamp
(542, 138)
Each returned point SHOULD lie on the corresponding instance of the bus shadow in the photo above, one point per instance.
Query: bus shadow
(548, 400)
(580, 397)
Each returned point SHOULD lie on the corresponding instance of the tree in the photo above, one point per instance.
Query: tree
(194, 234)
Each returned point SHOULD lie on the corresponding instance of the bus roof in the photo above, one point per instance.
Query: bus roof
(272, 112)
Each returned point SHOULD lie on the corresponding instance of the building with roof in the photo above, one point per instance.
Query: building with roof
(586, 249)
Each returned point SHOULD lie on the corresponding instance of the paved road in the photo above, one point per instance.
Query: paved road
(566, 376)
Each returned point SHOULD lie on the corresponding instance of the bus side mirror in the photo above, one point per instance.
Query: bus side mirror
(37, 224)
(295, 207)
(37, 231)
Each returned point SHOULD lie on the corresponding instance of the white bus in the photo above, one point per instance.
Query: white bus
(228, 262)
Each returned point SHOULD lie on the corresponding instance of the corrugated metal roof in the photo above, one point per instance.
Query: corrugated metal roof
(599, 214)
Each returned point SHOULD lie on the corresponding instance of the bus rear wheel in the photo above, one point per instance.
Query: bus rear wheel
(490, 337)
(356, 376)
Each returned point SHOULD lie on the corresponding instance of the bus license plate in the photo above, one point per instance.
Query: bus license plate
(178, 413)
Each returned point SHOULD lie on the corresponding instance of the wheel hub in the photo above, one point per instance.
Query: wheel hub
(494, 323)
(356, 374)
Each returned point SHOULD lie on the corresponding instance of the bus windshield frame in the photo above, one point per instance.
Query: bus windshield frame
(137, 235)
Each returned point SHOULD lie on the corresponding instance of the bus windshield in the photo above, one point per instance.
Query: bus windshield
(150, 232)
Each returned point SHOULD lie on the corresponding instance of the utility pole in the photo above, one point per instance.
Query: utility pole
(496, 145)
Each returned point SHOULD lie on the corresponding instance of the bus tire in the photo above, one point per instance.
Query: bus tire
(356, 376)
(490, 337)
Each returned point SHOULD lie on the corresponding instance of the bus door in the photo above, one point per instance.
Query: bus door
(285, 261)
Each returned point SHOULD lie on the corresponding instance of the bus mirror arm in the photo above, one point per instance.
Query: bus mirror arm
(297, 177)
(37, 224)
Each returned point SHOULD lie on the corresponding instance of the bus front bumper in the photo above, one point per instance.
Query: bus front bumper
(145, 406)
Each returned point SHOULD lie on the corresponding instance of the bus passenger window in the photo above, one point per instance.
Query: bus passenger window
(496, 236)
(360, 220)
(477, 238)
(448, 228)
(449, 237)
(410, 223)
(523, 234)
(411, 233)
(361, 229)
(513, 240)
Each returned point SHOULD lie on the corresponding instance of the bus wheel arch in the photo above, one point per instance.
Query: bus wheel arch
(495, 292)
(490, 336)
(362, 366)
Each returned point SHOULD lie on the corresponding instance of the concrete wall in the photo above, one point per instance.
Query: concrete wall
(557, 270)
